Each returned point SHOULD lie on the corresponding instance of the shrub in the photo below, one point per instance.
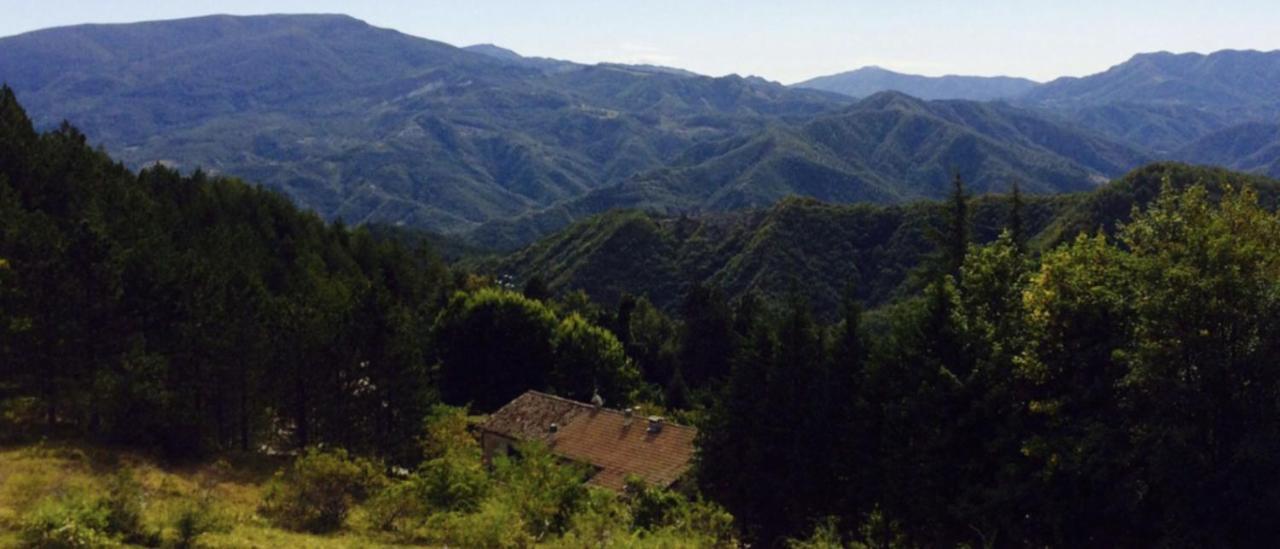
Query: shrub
(453, 478)
(317, 492)
(495, 524)
(72, 519)
(601, 520)
(660, 513)
(395, 505)
(544, 491)
(651, 507)
(826, 535)
(191, 519)
(124, 502)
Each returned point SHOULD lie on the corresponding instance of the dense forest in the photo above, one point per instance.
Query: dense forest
(1114, 388)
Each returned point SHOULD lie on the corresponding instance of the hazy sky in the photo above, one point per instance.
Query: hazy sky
(780, 40)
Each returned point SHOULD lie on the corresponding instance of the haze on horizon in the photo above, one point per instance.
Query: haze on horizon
(787, 42)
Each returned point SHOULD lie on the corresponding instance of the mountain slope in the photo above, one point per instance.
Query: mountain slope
(372, 125)
(1252, 147)
(1164, 101)
(1228, 79)
(816, 247)
(887, 148)
(869, 81)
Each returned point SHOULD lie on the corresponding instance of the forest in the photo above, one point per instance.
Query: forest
(1117, 389)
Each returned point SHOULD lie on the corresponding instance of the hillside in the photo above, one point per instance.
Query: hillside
(815, 247)
(869, 81)
(1164, 101)
(372, 125)
(1252, 147)
(1225, 80)
(887, 148)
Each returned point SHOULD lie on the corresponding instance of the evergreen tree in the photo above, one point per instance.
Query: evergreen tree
(706, 337)
(1015, 224)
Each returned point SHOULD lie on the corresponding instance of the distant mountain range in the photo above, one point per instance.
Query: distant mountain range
(1164, 101)
(869, 81)
(1251, 147)
(371, 125)
(887, 148)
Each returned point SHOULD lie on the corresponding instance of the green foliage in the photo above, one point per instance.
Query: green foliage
(826, 535)
(795, 245)
(319, 489)
(453, 477)
(124, 501)
(590, 360)
(543, 491)
(71, 520)
(77, 517)
(191, 519)
(192, 314)
(493, 345)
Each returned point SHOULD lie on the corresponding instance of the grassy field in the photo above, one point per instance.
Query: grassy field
(225, 492)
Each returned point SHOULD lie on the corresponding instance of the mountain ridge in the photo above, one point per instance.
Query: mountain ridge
(369, 124)
(887, 148)
(869, 80)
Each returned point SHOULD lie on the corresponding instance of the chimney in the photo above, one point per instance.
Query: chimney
(655, 424)
(553, 428)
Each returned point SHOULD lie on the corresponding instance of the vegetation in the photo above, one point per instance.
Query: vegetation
(1039, 372)
(818, 248)
(371, 125)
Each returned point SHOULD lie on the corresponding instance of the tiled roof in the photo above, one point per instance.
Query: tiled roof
(615, 445)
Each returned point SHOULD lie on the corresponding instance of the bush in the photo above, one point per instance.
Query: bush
(660, 513)
(394, 506)
(543, 490)
(453, 478)
(124, 504)
(317, 492)
(191, 519)
(72, 519)
(495, 524)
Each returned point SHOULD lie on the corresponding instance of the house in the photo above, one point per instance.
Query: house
(615, 444)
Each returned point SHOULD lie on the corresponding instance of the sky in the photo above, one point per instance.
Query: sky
(781, 40)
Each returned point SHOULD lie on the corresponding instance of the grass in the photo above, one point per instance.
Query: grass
(231, 486)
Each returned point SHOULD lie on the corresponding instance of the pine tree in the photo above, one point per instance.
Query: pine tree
(1015, 222)
(956, 243)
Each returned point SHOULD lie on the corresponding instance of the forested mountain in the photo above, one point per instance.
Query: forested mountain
(1057, 386)
(1252, 147)
(369, 124)
(1227, 81)
(887, 148)
(1164, 101)
(373, 126)
(817, 248)
(191, 313)
(869, 81)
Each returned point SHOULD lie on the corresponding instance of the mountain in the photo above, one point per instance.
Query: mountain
(887, 148)
(816, 247)
(509, 56)
(1224, 80)
(372, 125)
(869, 81)
(1164, 101)
(1252, 147)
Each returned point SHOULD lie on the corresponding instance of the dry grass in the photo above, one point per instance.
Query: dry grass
(232, 486)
